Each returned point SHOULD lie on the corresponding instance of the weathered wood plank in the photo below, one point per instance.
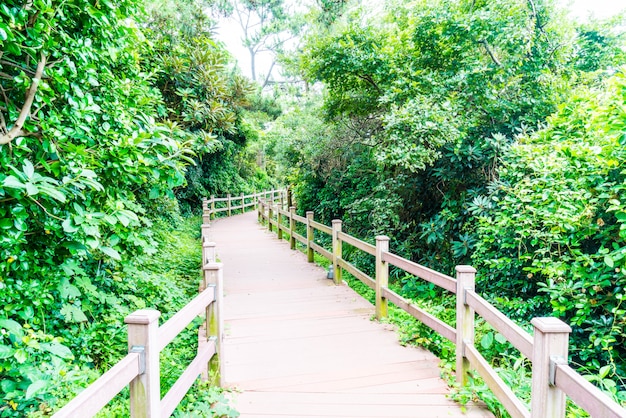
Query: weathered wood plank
(295, 405)
(422, 272)
(321, 227)
(299, 218)
(509, 329)
(322, 251)
(350, 268)
(292, 331)
(357, 243)
(100, 393)
(421, 315)
(170, 329)
(178, 391)
(513, 405)
(586, 395)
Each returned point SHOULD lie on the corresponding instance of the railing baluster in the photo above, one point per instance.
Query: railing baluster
(213, 276)
(292, 228)
(310, 236)
(550, 342)
(337, 250)
(145, 396)
(382, 276)
(465, 280)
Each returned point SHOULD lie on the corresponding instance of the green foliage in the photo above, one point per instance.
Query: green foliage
(554, 230)
(413, 140)
(207, 402)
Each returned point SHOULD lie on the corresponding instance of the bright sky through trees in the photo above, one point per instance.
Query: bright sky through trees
(229, 30)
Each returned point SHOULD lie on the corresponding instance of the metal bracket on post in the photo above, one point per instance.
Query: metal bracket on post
(554, 362)
(465, 290)
(141, 350)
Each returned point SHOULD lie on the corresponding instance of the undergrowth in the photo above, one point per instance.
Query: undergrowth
(169, 280)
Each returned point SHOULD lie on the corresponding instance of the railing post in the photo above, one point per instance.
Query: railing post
(282, 201)
(206, 215)
(337, 250)
(270, 215)
(212, 212)
(310, 236)
(289, 197)
(145, 396)
(208, 252)
(243, 203)
(228, 204)
(259, 211)
(292, 228)
(213, 276)
(465, 280)
(279, 218)
(206, 231)
(382, 276)
(550, 345)
(255, 199)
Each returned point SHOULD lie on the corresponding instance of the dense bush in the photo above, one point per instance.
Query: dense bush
(551, 229)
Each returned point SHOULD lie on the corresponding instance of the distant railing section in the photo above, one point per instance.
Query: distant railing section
(146, 339)
(552, 378)
(239, 203)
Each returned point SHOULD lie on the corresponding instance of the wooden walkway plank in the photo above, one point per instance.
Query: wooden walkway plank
(296, 345)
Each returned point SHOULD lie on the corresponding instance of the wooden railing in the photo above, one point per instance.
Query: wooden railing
(146, 339)
(552, 378)
(239, 204)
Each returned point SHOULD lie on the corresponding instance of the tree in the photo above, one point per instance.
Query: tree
(551, 233)
(267, 26)
(83, 168)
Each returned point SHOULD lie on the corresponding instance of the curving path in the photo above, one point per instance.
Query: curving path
(298, 346)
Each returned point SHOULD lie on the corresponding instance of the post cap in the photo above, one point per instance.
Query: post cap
(550, 325)
(382, 238)
(336, 221)
(209, 244)
(213, 266)
(309, 213)
(465, 269)
(142, 317)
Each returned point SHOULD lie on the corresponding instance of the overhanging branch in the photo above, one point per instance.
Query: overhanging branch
(490, 52)
(16, 130)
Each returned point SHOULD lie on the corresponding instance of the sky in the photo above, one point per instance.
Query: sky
(230, 33)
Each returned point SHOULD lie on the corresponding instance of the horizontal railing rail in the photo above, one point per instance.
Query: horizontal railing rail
(239, 203)
(140, 369)
(552, 379)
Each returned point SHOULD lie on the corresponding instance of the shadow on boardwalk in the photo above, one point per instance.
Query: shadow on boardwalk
(298, 346)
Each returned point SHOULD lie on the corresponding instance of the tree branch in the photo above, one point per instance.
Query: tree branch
(16, 130)
(490, 52)
(269, 73)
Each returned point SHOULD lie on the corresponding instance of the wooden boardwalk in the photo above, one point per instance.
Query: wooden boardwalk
(298, 346)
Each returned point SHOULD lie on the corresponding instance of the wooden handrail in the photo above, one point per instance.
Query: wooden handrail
(361, 245)
(170, 329)
(100, 393)
(505, 395)
(140, 367)
(439, 279)
(321, 227)
(229, 204)
(421, 315)
(509, 329)
(537, 349)
(585, 394)
(176, 393)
